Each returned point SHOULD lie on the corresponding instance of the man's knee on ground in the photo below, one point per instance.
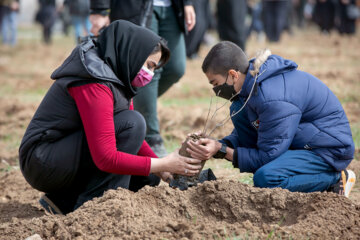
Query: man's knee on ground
(264, 178)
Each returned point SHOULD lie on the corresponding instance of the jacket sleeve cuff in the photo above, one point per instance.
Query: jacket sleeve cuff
(235, 159)
(226, 142)
(103, 12)
(188, 2)
(241, 160)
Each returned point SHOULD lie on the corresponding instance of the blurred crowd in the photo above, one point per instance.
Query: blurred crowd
(234, 20)
(73, 13)
(8, 21)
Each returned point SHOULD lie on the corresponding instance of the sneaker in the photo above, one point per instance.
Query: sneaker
(159, 149)
(49, 205)
(157, 145)
(345, 184)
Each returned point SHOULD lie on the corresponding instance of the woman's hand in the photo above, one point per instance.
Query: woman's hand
(175, 163)
(190, 17)
(165, 176)
(203, 149)
(98, 21)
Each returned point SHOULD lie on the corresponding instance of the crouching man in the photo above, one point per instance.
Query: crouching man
(290, 130)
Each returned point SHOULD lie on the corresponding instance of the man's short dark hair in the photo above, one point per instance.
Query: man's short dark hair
(225, 56)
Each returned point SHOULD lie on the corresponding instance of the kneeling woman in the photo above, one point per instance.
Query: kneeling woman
(83, 138)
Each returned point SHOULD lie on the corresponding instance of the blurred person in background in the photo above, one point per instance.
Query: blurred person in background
(9, 14)
(309, 10)
(275, 17)
(231, 16)
(170, 19)
(85, 138)
(324, 15)
(255, 10)
(2, 7)
(79, 11)
(298, 12)
(290, 17)
(46, 16)
(348, 13)
(195, 37)
(65, 17)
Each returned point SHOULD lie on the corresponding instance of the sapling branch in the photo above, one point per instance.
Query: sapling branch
(207, 117)
(214, 114)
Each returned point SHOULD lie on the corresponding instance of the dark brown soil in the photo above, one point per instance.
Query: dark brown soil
(220, 209)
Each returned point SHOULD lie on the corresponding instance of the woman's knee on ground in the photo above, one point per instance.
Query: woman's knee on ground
(130, 125)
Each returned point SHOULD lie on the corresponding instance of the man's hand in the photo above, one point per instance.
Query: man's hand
(190, 17)
(203, 149)
(98, 21)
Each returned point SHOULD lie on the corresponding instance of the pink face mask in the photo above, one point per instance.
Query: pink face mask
(143, 77)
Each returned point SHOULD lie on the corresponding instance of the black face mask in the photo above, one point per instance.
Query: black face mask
(225, 90)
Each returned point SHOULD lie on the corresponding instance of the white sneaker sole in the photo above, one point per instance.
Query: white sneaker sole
(349, 183)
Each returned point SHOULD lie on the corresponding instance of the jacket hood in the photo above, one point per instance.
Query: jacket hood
(124, 47)
(84, 62)
(269, 66)
(117, 55)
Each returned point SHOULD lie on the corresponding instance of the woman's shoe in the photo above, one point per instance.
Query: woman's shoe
(49, 205)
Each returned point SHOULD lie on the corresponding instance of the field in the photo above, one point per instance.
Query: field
(230, 208)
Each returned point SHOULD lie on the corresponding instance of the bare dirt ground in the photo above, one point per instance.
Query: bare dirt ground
(230, 208)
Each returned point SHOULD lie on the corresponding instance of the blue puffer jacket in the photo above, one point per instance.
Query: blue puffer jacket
(291, 109)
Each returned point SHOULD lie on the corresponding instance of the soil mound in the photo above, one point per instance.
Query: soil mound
(218, 209)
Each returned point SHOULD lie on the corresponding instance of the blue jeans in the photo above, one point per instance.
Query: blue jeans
(80, 24)
(295, 170)
(8, 28)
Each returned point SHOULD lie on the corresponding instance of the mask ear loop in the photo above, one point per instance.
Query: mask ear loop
(232, 97)
(223, 122)
(216, 109)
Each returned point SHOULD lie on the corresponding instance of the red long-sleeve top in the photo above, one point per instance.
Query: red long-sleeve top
(96, 107)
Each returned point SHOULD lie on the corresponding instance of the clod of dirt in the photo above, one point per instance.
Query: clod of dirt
(34, 237)
(183, 182)
(192, 137)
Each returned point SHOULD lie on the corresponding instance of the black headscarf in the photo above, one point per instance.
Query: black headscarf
(124, 47)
